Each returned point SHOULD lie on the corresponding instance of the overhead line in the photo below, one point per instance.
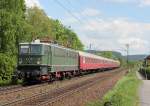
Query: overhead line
(60, 4)
(85, 19)
(96, 18)
(86, 15)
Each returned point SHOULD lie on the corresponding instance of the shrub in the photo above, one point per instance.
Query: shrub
(7, 64)
(145, 71)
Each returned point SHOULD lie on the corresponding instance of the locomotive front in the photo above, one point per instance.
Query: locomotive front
(30, 61)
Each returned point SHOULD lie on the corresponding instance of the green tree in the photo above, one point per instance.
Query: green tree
(11, 32)
(43, 26)
(40, 23)
(12, 20)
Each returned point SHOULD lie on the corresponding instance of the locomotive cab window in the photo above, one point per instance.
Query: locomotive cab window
(31, 49)
(35, 49)
(24, 49)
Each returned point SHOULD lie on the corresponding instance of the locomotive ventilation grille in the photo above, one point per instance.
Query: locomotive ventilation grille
(29, 60)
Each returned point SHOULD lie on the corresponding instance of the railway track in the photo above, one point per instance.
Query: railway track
(16, 88)
(7, 88)
(75, 89)
(52, 96)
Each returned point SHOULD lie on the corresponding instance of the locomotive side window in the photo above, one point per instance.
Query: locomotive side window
(24, 49)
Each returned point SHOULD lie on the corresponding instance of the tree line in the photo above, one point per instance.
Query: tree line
(21, 24)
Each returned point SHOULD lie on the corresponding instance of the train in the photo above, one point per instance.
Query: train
(40, 61)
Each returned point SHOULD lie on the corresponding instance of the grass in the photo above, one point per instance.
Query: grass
(5, 82)
(125, 93)
(9, 82)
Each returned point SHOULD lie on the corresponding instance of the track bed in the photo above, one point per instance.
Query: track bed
(50, 94)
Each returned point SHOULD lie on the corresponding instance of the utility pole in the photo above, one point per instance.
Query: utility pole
(90, 47)
(127, 48)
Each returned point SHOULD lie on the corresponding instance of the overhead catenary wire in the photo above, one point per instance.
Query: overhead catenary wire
(83, 21)
(84, 18)
(86, 14)
(66, 9)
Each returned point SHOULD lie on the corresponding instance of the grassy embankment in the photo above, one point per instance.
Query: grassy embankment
(125, 92)
(5, 82)
(9, 82)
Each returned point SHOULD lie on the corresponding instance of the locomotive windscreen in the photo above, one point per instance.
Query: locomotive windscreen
(30, 54)
(24, 49)
(30, 49)
(35, 49)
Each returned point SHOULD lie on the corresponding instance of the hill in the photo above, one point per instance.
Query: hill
(113, 53)
(135, 57)
(116, 54)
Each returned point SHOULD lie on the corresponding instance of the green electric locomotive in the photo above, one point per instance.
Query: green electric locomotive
(44, 61)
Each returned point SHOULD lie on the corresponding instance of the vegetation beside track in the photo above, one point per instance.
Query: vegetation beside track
(145, 71)
(123, 94)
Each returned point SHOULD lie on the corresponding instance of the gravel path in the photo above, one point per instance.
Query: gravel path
(144, 91)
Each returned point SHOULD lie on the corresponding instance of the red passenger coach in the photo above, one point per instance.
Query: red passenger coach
(89, 61)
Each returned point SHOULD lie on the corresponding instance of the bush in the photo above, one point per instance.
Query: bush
(7, 64)
(145, 71)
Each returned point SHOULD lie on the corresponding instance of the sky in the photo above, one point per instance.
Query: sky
(104, 24)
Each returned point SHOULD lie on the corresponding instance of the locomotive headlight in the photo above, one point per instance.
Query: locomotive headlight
(39, 61)
(20, 60)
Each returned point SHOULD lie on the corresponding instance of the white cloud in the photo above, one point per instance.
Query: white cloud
(113, 34)
(125, 31)
(143, 3)
(119, 1)
(140, 3)
(69, 21)
(32, 3)
(135, 43)
(90, 12)
(83, 16)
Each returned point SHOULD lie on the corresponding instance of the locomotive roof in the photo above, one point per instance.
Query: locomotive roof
(26, 43)
(95, 56)
(49, 44)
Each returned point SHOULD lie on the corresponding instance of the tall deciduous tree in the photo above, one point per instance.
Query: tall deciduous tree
(40, 22)
(12, 18)
(43, 26)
